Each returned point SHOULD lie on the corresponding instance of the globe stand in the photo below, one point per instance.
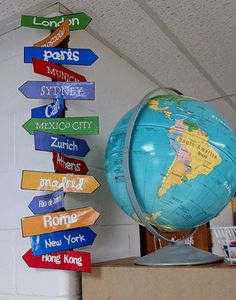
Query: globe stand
(177, 253)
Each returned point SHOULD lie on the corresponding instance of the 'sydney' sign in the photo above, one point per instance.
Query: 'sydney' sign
(81, 217)
(76, 21)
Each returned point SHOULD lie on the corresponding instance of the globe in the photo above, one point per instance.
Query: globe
(182, 161)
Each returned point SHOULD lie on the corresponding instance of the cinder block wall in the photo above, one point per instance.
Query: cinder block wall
(118, 87)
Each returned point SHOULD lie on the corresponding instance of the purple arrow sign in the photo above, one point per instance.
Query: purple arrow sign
(62, 144)
(69, 56)
(49, 90)
(47, 203)
(52, 110)
(62, 240)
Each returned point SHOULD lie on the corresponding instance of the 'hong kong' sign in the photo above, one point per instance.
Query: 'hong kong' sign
(56, 37)
(62, 240)
(47, 203)
(46, 181)
(81, 217)
(69, 56)
(65, 260)
(71, 126)
(55, 71)
(76, 21)
(66, 145)
(49, 90)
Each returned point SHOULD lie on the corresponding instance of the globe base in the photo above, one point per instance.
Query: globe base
(178, 254)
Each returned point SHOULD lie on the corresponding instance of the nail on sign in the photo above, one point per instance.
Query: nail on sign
(66, 145)
(47, 203)
(56, 37)
(46, 181)
(69, 56)
(55, 71)
(76, 21)
(65, 164)
(52, 110)
(71, 126)
(53, 222)
(62, 240)
(49, 90)
(65, 260)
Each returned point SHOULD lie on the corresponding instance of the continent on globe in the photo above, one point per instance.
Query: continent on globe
(194, 155)
(154, 104)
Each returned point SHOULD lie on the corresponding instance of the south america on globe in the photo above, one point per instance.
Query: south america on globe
(182, 162)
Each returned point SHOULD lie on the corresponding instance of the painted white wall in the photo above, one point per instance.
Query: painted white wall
(118, 87)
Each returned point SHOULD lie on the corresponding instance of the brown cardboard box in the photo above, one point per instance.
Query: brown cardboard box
(122, 280)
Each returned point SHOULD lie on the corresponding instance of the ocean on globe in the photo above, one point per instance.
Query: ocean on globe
(182, 162)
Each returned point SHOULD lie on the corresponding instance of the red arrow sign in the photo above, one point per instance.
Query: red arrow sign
(65, 164)
(64, 260)
(55, 71)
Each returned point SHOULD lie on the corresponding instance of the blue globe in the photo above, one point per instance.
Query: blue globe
(182, 162)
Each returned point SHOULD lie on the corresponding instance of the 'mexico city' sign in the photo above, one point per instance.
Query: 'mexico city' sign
(76, 21)
(74, 218)
(49, 90)
(64, 260)
(66, 145)
(71, 126)
(62, 240)
(69, 56)
(55, 71)
(46, 181)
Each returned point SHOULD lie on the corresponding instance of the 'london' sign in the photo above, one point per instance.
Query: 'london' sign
(76, 21)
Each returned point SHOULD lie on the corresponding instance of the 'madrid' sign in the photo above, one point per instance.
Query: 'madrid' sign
(76, 21)
(74, 218)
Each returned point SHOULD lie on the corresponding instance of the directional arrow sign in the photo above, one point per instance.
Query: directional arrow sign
(47, 203)
(49, 90)
(63, 144)
(62, 240)
(65, 260)
(69, 56)
(52, 110)
(71, 126)
(81, 217)
(55, 71)
(46, 181)
(65, 164)
(76, 21)
(56, 37)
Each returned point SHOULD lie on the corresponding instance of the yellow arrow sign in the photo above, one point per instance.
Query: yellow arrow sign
(53, 222)
(46, 181)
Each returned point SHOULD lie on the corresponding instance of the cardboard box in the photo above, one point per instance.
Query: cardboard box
(122, 280)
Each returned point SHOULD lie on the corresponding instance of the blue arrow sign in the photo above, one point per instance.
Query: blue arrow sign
(52, 110)
(62, 144)
(49, 90)
(47, 203)
(69, 56)
(62, 240)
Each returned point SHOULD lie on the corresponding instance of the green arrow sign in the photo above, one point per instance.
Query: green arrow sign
(71, 126)
(76, 21)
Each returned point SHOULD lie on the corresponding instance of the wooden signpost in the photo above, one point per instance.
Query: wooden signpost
(62, 240)
(64, 260)
(65, 164)
(76, 21)
(70, 126)
(68, 56)
(52, 110)
(49, 90)
(66, 145)
(47, 203)
(55, 71)
(53, 222)
(47, 181)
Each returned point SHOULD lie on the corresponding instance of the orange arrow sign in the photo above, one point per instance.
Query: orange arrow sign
(53, 222)
(46, 181)
(56, 37)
